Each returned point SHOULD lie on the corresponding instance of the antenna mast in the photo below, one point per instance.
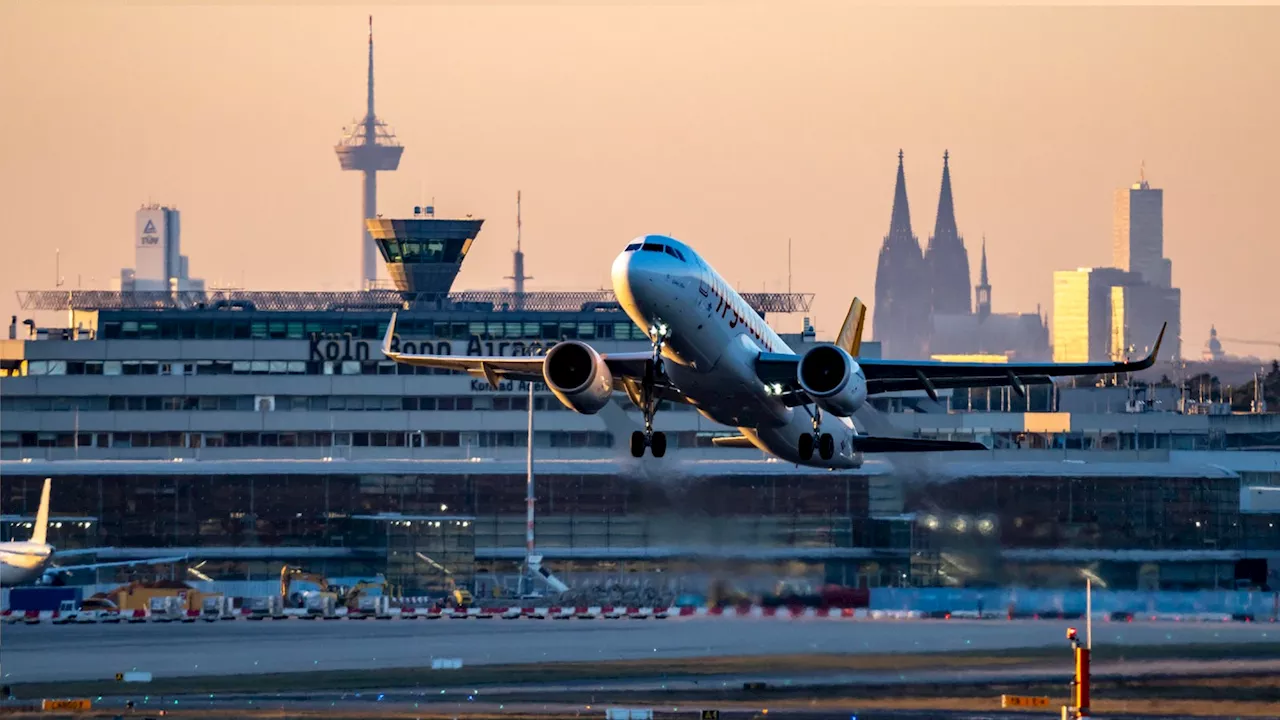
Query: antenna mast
(517, 271)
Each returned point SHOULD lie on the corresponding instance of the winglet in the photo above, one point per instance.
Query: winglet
(1150, 359)
(386, 339)
(40, 534)
(850, 337)
(1159, 339)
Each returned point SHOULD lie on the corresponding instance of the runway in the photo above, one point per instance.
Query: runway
(45, 653)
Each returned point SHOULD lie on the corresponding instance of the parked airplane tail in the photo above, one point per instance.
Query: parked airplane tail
(850, 337)
(41, 531)
(870, 444)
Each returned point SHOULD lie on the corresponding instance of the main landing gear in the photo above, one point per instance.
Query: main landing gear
(823, 442)
(655, 441)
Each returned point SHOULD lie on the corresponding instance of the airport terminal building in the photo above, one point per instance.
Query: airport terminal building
(251, 429)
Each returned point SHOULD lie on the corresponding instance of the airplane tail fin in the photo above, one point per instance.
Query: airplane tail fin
(41, 532)
(850, 337)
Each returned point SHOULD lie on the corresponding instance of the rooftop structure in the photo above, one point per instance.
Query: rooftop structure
(338, 301)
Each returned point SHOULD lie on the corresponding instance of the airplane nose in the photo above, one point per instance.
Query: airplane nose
(634, 278)
(629, 274)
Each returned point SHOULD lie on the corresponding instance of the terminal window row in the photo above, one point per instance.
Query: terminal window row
(233, 328)
(224, 367)
(287, 403)
(413, 439)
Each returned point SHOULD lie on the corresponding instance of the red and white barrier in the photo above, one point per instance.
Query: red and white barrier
(608, 612)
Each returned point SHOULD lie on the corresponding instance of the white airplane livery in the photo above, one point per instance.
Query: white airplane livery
(710, 349)
(23, 562)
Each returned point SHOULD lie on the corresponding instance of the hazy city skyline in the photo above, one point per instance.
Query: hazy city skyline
(730, 128)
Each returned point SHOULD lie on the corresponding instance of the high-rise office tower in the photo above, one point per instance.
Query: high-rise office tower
(1138, 232)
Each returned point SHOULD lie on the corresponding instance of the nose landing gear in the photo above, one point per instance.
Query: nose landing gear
(824, 443)
(655, 441)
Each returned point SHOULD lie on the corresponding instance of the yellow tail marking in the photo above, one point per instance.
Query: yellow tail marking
(850, 337)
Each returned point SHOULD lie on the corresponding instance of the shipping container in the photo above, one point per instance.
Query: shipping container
(22, 599)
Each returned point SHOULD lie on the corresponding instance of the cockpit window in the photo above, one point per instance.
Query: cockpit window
(652, 247)
(674, 253)
(633, 247)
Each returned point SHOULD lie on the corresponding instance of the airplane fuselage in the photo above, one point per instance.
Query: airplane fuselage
(713, 340)
(23, 562)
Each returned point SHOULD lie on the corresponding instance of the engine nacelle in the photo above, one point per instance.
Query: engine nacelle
(578, 376)
(833, 379)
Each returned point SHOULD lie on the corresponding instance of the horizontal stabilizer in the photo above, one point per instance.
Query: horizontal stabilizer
(868, 444)
(735, 441)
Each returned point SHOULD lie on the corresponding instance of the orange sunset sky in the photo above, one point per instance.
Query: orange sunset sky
(732, 126)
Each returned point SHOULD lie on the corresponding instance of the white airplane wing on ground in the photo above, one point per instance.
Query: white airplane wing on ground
(115, 563)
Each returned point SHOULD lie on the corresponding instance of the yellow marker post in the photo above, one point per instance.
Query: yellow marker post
(1019, 701)
(63, 705)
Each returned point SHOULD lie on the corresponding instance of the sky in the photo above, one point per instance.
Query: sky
(732, 126)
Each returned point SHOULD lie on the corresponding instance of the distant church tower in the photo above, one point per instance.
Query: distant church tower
(901, 313)
(946, 257)
(982, 291)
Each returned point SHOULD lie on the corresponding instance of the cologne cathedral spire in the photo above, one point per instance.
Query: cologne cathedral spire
(901, 313)
(946, 257)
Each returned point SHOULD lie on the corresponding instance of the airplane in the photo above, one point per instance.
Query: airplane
(25, 562)
(710, 349)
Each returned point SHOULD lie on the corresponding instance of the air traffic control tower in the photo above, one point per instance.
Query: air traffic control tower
(369, 146)
(423, 254)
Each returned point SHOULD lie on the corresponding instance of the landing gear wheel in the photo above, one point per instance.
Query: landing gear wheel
(806, 447)
(826, 446)
(649, 401)
(658, 444)
(637, 444)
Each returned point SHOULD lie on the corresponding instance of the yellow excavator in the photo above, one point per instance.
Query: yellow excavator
(287, 577)
(459, 597)
(456, 597)
(350, 597)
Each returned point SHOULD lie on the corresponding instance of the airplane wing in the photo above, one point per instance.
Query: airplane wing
(884, 376)
(117, 563)
(623, 366)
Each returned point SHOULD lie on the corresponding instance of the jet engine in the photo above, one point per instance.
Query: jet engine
(578, 376)
(833, 379)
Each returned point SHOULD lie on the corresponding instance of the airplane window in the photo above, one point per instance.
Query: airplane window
(633, 247)
(678, 254)
(652, 247)
(674, 253)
